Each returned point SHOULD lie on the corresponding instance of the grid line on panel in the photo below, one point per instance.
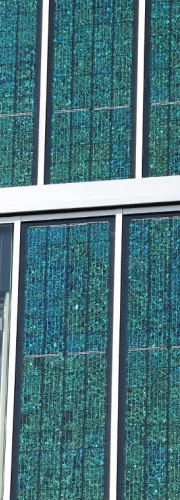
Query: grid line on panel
(71, 92)
(64, 377)
(92, 91)
(15, 87)
(85, 379)
(42, 379)
(111, 94)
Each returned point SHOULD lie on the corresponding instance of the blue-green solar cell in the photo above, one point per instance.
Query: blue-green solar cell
(138, 268)
(28, 475)
(158, 296)
(122, 52)
(164, 140)
(156, 445)
(164, 89)
(135, 425)
(175, 282)
(91, 146)
(152, 444)
(121, 144)
(174, 426)
(18, 47)
(16, 150)
(65, 319)
(92, 72)
(158, 141)
(30, 406)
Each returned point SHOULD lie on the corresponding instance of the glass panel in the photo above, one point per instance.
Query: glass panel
(61, 444)
(149, 429)
(92, 54)
(162, 90)
(5, 288)
(19, 61)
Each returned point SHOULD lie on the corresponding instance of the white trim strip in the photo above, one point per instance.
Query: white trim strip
(92, 213)
(140, 89)
(61, 216)
(115, 358)
(43, 91)
(151, 210)
(72, 215)
(3, 395)
(12, 359)
(90, 195)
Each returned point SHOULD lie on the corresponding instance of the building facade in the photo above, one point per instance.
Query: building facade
(89, 249)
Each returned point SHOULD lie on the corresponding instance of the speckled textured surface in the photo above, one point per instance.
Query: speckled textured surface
(92, 62)
(65, 350)
(152, 424)
(18, 34)
(164, 93)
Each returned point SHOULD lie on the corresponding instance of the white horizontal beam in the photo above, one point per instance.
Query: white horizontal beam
(89, 195)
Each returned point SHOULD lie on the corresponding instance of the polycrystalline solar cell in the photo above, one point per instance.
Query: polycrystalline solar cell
(162, 89)
(65, 336)
(151, 404)
(91, 82)
(19, 53)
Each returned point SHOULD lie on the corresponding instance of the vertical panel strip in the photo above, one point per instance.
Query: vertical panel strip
(115, 356)
(140, 88)
(43, 91)
(12, 358)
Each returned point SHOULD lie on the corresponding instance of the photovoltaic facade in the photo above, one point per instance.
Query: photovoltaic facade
(20, 32)
(149, 422)
(92, 54)
(162, 89)
(64, 362)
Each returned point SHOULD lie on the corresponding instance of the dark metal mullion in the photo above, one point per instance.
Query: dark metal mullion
(85, 371)
(72, 89)
(65, 359)
(42, 373)
(36, 93)
(147, 89)
(112, 90)
(133, 105)
(15, 93)
(169, 89)
(147, 366)
(169, 364)
(92, 93)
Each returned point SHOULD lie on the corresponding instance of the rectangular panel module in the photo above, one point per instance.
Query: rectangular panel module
(19, 61)
(162, 89)
(92, 53)
(149, 423)
(62, 405)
